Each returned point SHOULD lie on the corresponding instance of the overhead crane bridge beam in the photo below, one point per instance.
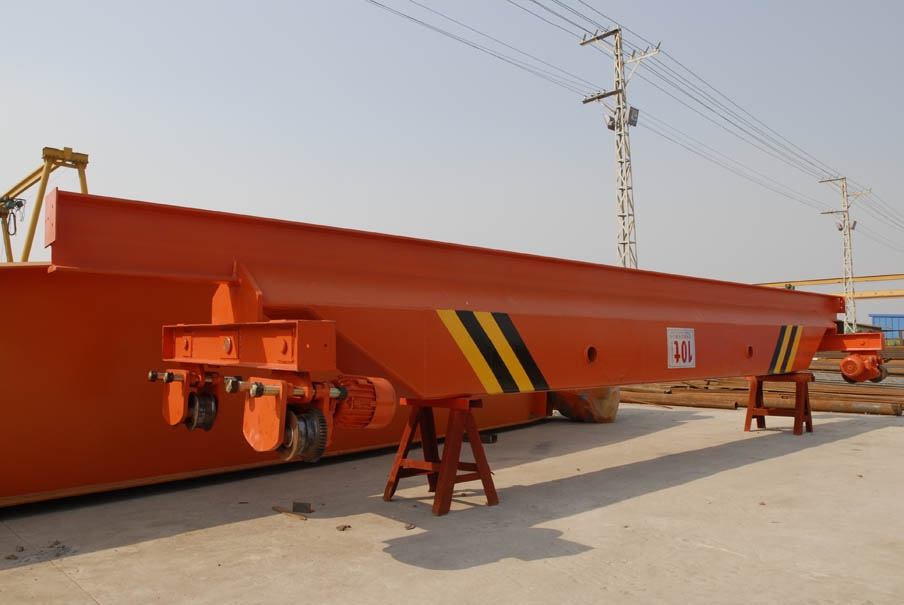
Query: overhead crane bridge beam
(317, 327)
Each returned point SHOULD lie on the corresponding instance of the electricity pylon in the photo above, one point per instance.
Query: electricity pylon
(622, 118)
(850, 310)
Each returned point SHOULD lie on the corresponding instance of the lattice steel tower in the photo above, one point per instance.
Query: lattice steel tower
(622, 117)
(850, 309)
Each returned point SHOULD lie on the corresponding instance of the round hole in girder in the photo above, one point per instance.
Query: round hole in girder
(590, 353)
(749, 352)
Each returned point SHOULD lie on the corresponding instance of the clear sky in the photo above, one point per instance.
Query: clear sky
(340, 113)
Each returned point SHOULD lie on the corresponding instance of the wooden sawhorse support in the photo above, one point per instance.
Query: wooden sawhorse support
(442, 473)
(801, 412)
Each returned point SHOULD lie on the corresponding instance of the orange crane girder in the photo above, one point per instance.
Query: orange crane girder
(77, 417)
(443, 320)
(422, 320)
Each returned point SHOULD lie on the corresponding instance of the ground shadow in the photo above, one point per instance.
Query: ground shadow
(61, 528)
(347, 486)
(491, 534)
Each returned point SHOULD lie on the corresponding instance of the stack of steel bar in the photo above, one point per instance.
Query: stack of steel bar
(829, 392)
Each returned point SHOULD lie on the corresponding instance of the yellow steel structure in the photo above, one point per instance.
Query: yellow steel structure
(53, 159)
(878, 294)
(832, 280)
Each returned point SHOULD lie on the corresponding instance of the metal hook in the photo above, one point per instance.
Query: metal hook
(12, 208)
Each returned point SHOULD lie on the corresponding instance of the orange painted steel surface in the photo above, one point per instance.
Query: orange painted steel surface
(279, 345)
(441, 320)
(436, 320)
(864, 362)
(77, 414)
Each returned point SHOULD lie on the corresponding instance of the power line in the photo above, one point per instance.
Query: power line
(712, 120)
(887, 211)
(541, 18)
(578, 14)
(578, 80)
(712, 104)
(607, 18)
(778, 146)
(560, 16)
(892, 219)
(790, 193)
(540, 73)
(760, 143)
(753, 130)
(879, 238)
(797, 196)
(569, 80)
(755, 136)
(823, 166)
(764, 147)
(730, 168)
(764, 133)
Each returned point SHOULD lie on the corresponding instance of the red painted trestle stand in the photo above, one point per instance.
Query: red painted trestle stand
(442, 473)
(801, 411)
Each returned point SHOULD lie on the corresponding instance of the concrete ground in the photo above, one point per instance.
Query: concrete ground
(665, 505)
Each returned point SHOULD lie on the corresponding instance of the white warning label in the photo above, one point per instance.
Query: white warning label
(681, 348)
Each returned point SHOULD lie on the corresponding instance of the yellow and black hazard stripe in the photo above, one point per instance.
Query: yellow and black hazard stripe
(786, 349)
(495, 351)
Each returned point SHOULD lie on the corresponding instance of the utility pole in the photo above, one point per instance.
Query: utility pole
(622, 117)
(850, 310)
